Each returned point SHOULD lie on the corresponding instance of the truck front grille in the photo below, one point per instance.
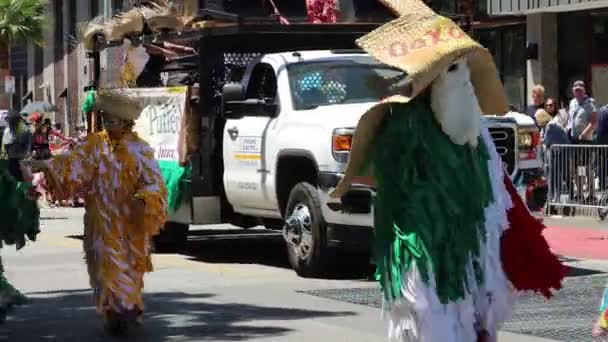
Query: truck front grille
(504, 139)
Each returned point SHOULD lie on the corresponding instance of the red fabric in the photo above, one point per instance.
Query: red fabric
(322, 11)
(526, 257)
(35, 117)
(58, 140)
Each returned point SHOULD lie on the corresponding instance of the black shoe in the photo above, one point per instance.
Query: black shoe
(116, 324)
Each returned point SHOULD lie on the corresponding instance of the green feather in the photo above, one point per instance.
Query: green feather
(89, 102)
(430, 201)
(20, 215)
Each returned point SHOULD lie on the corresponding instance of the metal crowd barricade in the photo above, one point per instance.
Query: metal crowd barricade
(577, 178)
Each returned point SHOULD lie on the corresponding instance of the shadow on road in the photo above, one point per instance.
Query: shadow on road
(237, 246)
(577, 271)
(260, 247)
(70, 317)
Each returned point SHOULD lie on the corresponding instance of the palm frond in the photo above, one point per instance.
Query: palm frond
(23, 21)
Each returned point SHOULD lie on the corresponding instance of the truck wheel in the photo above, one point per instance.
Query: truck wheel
(172, 238)
(305, 231)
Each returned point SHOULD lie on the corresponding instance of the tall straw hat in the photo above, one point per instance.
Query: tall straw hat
(126, 24)
(423, 44)
(89, 31)
(117, 104)
(163, 16)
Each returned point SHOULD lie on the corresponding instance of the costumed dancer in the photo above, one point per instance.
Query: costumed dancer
(600, 328)
(125, 206)
(454, 242)
(19, 211)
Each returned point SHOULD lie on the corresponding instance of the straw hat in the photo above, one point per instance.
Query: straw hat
(111, 29)
(117, 104)
(161, 22)
(162, 16)
(88, 32)
(423, 44)
(127, 24)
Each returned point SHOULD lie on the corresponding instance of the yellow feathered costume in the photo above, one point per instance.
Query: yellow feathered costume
(111, 175)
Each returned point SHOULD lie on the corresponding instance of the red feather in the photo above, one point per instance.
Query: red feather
(526, 257)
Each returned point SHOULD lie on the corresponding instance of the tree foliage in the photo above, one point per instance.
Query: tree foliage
(23, 21)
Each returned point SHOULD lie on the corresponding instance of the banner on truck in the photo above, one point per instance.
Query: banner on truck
(160, 123)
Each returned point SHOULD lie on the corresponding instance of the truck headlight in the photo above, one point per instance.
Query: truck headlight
(528, 140)
(341, 143)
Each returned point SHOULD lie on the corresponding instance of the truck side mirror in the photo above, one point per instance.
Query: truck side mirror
(232, 93)
(236, 106)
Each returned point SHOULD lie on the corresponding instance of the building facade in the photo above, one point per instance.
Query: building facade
(58, 72)
(566, 41)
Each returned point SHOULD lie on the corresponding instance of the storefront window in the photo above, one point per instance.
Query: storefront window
(600, 38)
(507, 45)
(514, 66)
(574, 51)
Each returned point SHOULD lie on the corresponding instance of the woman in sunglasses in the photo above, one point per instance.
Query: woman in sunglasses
(551, 107)
(125, 206)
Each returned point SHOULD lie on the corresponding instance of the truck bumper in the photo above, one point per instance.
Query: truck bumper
(349, 219)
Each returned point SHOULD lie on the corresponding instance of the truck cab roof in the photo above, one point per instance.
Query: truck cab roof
(297, 56)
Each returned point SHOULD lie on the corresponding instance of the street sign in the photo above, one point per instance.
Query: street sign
(3, 117)
(9, 84)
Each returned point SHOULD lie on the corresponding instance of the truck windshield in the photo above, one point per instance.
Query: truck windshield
(340, 81)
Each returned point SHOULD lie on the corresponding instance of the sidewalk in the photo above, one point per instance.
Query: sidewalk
(581, 238)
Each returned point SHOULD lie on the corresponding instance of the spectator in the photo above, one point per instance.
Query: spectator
(542, 118)
(16, 143)
(582, 120)
(40, 138)
(601, 133)
(538, 100)
(601, 138)
(551, 106)
(582, 115)
(557, 165)
(57, 139)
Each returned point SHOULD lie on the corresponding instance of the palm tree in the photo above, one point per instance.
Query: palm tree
(23, 21)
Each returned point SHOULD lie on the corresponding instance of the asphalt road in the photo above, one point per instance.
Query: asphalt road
(227, 285)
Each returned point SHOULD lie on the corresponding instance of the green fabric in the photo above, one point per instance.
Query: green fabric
(89, 102)
(173, 174)
(429, 208)
(9, 294)
(20, 215)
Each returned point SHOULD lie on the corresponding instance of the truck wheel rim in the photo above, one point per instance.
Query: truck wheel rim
(298, 230)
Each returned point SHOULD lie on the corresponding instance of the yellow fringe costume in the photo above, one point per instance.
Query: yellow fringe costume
(110, 175)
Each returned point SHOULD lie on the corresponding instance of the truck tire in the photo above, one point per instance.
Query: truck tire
(172, 238)
(305, 231)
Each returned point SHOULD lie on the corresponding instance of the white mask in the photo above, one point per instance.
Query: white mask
(455, 104)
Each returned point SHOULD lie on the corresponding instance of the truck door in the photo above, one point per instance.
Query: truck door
(245, 170)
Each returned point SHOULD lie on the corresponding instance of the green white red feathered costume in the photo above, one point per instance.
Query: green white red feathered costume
(20, 223)
(441, 211)
(454, 242)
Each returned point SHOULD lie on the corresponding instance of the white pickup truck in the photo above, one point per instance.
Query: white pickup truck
(287, 128)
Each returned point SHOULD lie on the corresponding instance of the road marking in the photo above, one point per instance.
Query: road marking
(247, 156)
